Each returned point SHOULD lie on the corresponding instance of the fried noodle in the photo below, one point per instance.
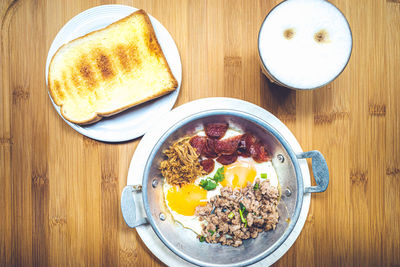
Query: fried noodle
(182, 165)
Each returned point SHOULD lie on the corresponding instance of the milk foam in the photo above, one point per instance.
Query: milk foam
(300, 61)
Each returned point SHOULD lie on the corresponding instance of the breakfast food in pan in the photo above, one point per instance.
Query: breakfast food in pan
(221, 184)
(109, 70)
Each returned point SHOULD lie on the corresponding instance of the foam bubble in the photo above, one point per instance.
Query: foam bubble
(305, 43)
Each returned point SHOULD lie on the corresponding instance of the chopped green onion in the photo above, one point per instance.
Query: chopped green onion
(243, 213)
(264, 175)
(242, 207)
(242, 218)
(202, 238)
(256, 186)
(230, 215)
(211, 232)
(212, 212)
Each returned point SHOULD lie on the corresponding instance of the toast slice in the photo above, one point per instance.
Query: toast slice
(109, 70)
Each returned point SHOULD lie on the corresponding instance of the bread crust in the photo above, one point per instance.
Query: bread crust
(99, 115)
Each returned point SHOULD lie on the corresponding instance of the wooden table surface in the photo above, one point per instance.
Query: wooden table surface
(60, 191)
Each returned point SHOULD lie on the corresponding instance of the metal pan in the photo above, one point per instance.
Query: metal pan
(183, 241)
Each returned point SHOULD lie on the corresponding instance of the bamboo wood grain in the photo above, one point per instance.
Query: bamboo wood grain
(60, 191)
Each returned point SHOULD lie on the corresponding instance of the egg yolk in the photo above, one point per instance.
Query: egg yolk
(186, 198)
(238, 174)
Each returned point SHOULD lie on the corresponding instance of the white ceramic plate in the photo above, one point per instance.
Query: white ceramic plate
(144, 149)
(135, 121)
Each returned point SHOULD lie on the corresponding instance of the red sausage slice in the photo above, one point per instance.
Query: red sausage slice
(245, 143)
(209, 150)
(227, 159)
(259, 153)
(208, 165)
(227, 146)
(216, 130)
(198, 142)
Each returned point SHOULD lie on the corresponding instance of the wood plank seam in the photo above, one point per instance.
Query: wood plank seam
(7, 13)
(326, 118)
(20, 94)
(392, 171)
(6, 141)
(359, 177)
(377, 109)
(57, 221)
(40, 178)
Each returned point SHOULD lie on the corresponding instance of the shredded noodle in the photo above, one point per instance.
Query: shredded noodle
(182, 165)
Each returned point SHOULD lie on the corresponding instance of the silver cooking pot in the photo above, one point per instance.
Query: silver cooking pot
(182, 241)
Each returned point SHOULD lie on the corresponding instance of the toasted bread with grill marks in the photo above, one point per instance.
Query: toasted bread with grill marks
(109, 70)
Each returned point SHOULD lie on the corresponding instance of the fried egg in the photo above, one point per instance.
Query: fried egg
(182, 201)
(245, 170)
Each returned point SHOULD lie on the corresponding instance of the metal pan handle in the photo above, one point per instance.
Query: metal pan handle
(128, 206)
(320, 171)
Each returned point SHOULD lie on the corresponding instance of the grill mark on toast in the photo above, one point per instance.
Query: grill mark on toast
(134, 55)
(65, 81)
(76, 81)
(59, 92)
(128, 56)
(123, 57)
(63, 76)
(87, 73)
(104, 65)
(66, 87)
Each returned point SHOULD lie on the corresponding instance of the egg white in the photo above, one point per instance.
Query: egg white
(193, 222)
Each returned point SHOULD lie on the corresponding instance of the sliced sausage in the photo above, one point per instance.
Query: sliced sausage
(227, 159)
(245, 143)
(216, 130)
(227, 146)
(208, 165)
(259, 153)
(209, 150)
(198, 143)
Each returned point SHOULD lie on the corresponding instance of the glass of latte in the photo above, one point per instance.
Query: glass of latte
(304, 44)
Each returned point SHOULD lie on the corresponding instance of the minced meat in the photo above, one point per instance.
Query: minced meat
(236, 215)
